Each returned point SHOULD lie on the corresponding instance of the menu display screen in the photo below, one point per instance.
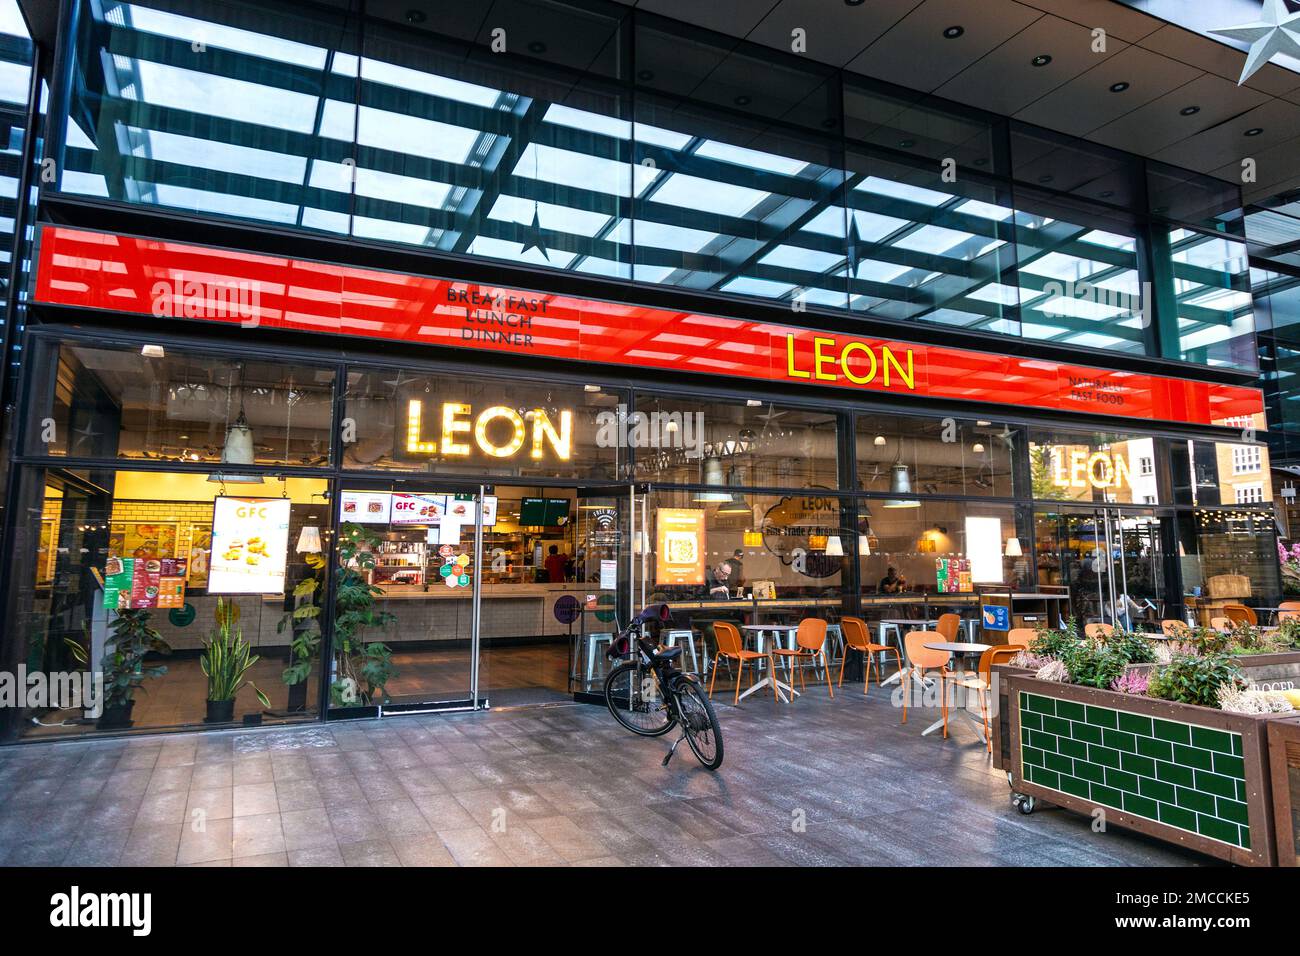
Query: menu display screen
(250, 545)
(679, 558)
(544, 512)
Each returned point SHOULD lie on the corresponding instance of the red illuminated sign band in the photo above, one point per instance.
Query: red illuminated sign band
(151, 277)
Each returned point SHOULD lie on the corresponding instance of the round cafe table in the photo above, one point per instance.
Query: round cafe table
(959, 649)
(759, 632)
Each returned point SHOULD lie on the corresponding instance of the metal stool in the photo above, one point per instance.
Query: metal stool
(688, 635)
(593, 640)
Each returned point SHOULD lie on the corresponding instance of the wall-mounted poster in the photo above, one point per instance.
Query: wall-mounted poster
(250, 543)
(365, 507)
(680, 555)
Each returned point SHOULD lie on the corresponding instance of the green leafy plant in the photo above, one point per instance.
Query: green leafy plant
(305, 622)
(1056, 643)
(1246, 637)
(1288, 631)
(1195, 679)
(364, 667)
(227, 658)
(131, 640)
(1133, 647)
(1207, 640)
(1094, 664)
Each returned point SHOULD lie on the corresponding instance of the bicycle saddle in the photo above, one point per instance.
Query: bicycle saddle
(668, 653)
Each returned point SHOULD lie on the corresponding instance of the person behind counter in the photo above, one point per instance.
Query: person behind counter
(556, 565)
(893, 582)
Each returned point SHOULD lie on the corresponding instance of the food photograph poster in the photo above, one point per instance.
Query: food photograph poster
(250, 541)
(680, 556)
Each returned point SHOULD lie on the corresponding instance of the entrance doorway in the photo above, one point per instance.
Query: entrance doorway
(1110, 558)
(484, 595)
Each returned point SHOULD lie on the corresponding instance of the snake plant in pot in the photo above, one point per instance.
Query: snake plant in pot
(226, 659)
(131, 640)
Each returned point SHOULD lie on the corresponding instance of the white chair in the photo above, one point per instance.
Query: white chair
(593, 643)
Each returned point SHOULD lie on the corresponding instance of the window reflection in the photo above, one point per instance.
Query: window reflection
(1094, 467)
(932, 456)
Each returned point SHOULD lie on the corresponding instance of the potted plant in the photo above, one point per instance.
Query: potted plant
(364, 668)
(131, 640)
(304, 621)
(225, 661)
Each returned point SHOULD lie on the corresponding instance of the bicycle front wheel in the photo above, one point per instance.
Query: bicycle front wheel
(700, 723)
(633, 696)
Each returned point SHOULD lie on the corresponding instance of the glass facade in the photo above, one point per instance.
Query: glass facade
(469, 536)
(776, 179)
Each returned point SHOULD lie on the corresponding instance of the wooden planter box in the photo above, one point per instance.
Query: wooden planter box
(1284, 762)
(1193, 776)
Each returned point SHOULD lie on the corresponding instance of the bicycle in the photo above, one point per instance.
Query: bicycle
(650, 696)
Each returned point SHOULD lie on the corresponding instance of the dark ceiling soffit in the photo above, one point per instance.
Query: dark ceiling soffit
(125, 219)
(42, 18)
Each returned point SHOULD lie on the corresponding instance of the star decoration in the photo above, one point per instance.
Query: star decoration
(1277, 32)
(86, 434)
(533, 237)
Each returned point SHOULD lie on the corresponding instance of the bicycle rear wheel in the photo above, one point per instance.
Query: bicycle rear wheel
(633, 697)
(700, 723)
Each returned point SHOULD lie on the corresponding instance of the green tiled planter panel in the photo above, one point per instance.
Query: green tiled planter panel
(1184, 776)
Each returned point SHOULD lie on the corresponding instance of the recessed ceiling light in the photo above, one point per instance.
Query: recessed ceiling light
(1106, 193)
(954, 32)
(536, 46)
(1045, 179)
(742, 100)
(829, 122)
(415, 16)
(1119, 87)
(1254, 131)
(853, 3)
(1189, 110)
(1041, 60)
(907, 143)
(981, 161)
(645, 75)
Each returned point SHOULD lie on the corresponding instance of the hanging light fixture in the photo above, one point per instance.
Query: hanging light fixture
(900, 484)
(713, 477)
(834, 547)
(309, 540)
(238, 447)
(1013, 548)
(864, 545)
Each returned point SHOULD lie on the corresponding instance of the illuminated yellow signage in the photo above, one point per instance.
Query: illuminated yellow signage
(855, 361)
(499, 431)
(1076, 468)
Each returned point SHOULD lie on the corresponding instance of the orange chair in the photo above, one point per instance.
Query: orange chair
(1098, 631)
(809, 640)
(949, 625)
(1288, 609)
(857, 637)
(981, 682)
(1175, 629)
(921, 659)
(1020, 636)
(730, 644)
(1221, 623)
(1240, 614)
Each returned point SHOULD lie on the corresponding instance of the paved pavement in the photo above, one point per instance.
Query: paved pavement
(819, 782)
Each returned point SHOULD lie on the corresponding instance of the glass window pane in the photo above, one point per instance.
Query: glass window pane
(482, 427)
(929, 456)
(1216, 321)
(733, 445)
(1094, 467)
(151, 535)
(161, 404)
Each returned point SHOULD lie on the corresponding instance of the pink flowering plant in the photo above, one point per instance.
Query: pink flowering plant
(1289, 559)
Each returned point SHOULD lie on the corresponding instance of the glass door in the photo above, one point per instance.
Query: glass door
(1110, 559)
(408, 590)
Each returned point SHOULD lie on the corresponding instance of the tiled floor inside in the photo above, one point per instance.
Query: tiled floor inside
(819, 782)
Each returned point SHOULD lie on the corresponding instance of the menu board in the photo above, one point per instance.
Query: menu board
(679, 558)
(140, 583)
(365, 507)
(417, 509)
(250, 542)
